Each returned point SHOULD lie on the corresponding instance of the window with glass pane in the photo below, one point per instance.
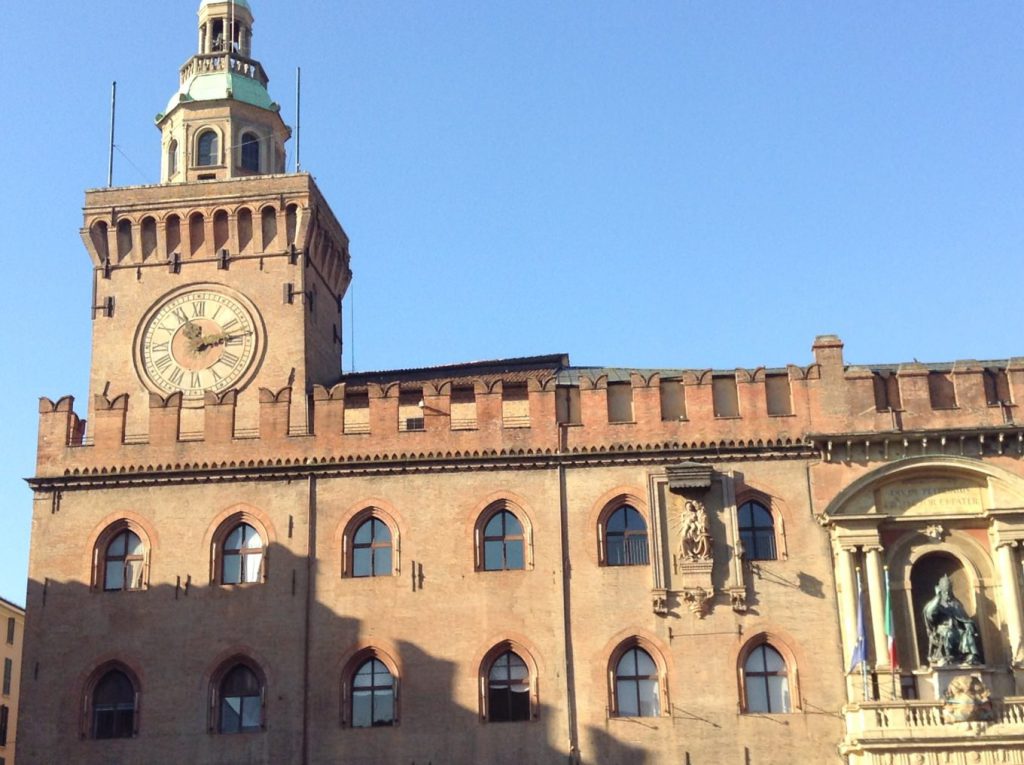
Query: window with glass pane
(766, 681)
(636, 685)
(373, 695)
(508, 689)
(250, 152)
(113, 706)
(757, 531)
(242, 555)
(123, 562)
(625, 535)
(371, 549)
(8, 672)
(208, 154)
(241, 701)
(503, 542)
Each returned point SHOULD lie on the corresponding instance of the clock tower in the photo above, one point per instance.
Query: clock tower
(230, 273)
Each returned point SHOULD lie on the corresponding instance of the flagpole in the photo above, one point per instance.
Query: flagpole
(890, 631)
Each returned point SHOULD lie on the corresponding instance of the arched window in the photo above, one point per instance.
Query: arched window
(124, 562)
(242, 556)
(208, 153)
(625, 538)
(503, 543)
(250, 152)
(240, 693)
(765, 681)
(113, 706)
(172, 158)
(757, 531)
(508, 689)
(373, 695)
(371, 549)
(369, 690)
(636, 685)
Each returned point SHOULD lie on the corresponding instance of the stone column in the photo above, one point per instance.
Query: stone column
(1006, 561)
(876, 599)
(846, 576)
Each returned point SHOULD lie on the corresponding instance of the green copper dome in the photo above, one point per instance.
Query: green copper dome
(213, 86)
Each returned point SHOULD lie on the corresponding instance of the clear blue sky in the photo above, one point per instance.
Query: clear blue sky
(635, 183)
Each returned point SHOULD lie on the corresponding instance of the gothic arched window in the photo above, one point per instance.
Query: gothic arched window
(373, 695)
(636, 685)
(240, 694)
(124, 562)
(113, 706)
(757, 531)
(765, 681)
(241, 556)
(503, 543)
(371, 549)
(508, 689)
(625, 538)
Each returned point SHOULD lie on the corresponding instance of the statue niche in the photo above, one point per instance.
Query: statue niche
(952, 634)
(696, 536)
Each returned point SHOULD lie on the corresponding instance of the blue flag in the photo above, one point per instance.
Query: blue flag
(860, 649)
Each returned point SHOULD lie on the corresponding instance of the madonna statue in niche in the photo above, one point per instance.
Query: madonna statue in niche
(952, 635)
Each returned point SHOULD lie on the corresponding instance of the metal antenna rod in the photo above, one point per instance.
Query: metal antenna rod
(298, 119)
(113, 111)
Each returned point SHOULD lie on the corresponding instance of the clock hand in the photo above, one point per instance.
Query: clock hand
(208, 341)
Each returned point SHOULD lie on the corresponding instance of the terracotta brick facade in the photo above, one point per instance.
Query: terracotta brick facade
(593, 533)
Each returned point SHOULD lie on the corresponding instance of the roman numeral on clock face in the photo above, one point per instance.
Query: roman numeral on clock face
(162, 362)
(199, 309)
(176, 376)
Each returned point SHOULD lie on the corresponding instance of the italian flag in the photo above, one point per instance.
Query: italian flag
(890, 631)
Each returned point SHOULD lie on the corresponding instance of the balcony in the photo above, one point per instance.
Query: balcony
(876, 729)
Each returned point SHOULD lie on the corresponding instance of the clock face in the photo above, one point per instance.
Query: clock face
(198, 340)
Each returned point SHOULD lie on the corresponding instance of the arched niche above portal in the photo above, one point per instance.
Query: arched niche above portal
(928, 487)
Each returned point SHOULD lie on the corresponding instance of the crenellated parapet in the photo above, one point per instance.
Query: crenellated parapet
(544, 406)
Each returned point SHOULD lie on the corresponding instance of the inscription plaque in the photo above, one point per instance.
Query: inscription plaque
(928, 496)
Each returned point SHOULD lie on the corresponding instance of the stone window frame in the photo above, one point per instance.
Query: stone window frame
(87, 723)
(353, 524)
(199, 134)
(217, 678)
(494, 653)
(106, 536)
(352, 665)
(485, 516)
(657, 656)
(781, 645)
(766, 501)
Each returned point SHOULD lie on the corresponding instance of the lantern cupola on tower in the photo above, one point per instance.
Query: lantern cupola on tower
(221, 122)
